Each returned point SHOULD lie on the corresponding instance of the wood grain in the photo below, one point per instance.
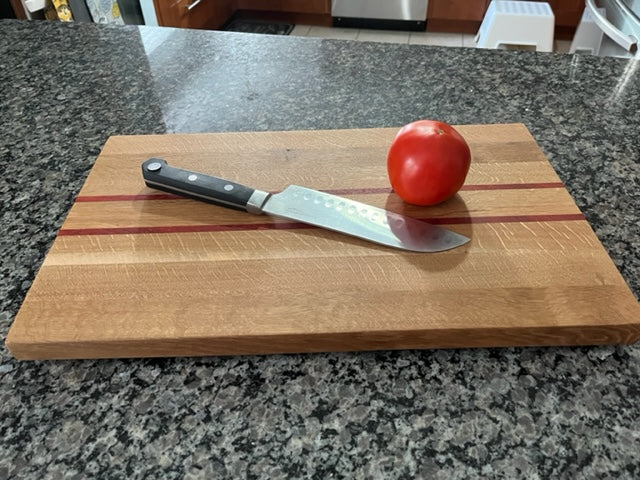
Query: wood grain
(534, 272)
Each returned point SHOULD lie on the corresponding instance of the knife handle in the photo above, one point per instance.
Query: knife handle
(159, 175)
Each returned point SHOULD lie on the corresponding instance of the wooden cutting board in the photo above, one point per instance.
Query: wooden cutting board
(135, 272)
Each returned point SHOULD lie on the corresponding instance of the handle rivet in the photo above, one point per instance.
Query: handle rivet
(228, 187)
(192, 177)
(154, 167)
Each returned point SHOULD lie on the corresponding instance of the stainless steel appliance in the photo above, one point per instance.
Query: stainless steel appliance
(620, 24)
(393, 14)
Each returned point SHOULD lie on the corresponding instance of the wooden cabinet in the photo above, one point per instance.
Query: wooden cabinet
(461, 16)
(456, 15)
(289, 6)
(466, 15)
(206, 14)
(457, 9)
(213, 14)
(568, 14)
(18, 9)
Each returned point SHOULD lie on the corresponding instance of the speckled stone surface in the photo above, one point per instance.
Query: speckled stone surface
(492, 413)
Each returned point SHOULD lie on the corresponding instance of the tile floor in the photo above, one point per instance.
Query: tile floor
(391, 36)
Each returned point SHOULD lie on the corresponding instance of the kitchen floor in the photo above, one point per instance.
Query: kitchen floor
(392, 36)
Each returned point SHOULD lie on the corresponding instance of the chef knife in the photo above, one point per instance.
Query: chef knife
(305, 205)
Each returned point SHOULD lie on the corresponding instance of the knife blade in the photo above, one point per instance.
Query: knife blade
(305, 205)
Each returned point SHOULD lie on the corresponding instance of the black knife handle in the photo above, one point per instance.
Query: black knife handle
(159, 175)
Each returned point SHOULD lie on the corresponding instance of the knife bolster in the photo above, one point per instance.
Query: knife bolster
(257, 201)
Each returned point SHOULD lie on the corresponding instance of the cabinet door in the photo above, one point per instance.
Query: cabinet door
(289, 6)
(465, 10)
(567, 12)
(209, 14)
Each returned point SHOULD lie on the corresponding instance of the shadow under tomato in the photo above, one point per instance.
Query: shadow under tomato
(451, 214)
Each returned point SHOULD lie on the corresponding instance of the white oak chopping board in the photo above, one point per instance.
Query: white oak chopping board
(135, 272)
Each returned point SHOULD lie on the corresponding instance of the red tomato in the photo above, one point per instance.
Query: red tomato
(427, 162)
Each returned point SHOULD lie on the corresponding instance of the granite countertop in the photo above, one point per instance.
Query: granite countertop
(504, 413)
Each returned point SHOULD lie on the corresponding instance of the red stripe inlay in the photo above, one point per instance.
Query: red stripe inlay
(338, 191)
(298, 225)
(513, 186)
(356, 191)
